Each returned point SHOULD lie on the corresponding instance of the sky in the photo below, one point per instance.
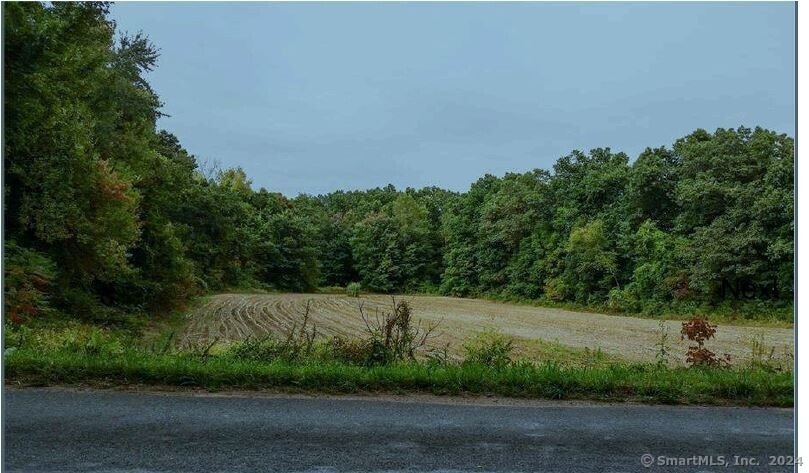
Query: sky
(316, 97)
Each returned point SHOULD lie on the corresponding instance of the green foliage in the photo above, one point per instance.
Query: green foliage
(353, 289)
(27, 277)
(737, 201)
(354, 351)
(657, 274)
(285, 251)
(634, 238)
(652, 183)
(489, 348)
(77, 339)
(118, 218)
(393, 249)
(63, 74)
(258, 349)
(590, 265)
(119, 206)
(616, 382)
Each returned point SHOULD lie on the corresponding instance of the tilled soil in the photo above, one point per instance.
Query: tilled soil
(232, 317)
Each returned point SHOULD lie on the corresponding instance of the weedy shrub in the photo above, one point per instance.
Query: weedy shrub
(265, 349)
(592, 357)
(94, 341)
(697, 329)
(84, 339)
(556, 289)
(393, 335)
(353, 289)
(353, 351)
(28, 278)
(489, 348)
(163, 343)
(763, 357)
(15, 336)
(298, 343)
(623, 300)
(300, 340)
(439, 356)
(663, 351)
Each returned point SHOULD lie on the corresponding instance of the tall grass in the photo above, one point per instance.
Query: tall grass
(88, 354)
(618, 382)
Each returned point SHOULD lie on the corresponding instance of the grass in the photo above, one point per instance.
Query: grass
(546, 350)
(616, 382)
(46, 353)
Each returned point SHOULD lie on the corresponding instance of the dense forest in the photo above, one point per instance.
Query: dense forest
(105, 214)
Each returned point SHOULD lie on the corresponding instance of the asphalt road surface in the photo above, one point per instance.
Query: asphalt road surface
(50, 430)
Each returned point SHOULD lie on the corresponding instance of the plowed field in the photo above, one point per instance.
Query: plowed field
(231, 317)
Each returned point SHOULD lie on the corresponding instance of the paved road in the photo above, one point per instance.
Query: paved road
(49, 430)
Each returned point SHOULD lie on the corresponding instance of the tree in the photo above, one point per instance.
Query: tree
(393, 249)
(116, 216)
(68, 196)
(652, 183)
(590, 263)
(736, 198)
(286, 254)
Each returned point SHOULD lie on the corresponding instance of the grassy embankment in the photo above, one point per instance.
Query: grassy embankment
(76, 354)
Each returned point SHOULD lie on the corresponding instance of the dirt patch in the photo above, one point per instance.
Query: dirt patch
(231, 317)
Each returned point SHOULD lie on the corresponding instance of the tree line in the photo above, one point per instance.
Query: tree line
(106, 214)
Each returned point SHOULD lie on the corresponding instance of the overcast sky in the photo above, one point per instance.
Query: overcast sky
(315, 97)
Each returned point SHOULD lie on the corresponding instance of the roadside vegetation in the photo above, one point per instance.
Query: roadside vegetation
(393, 357)
(111, 226)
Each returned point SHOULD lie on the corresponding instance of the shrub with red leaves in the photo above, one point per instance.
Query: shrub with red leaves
(697, 329)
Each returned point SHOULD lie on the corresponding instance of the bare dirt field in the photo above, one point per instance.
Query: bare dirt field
(232, 317)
